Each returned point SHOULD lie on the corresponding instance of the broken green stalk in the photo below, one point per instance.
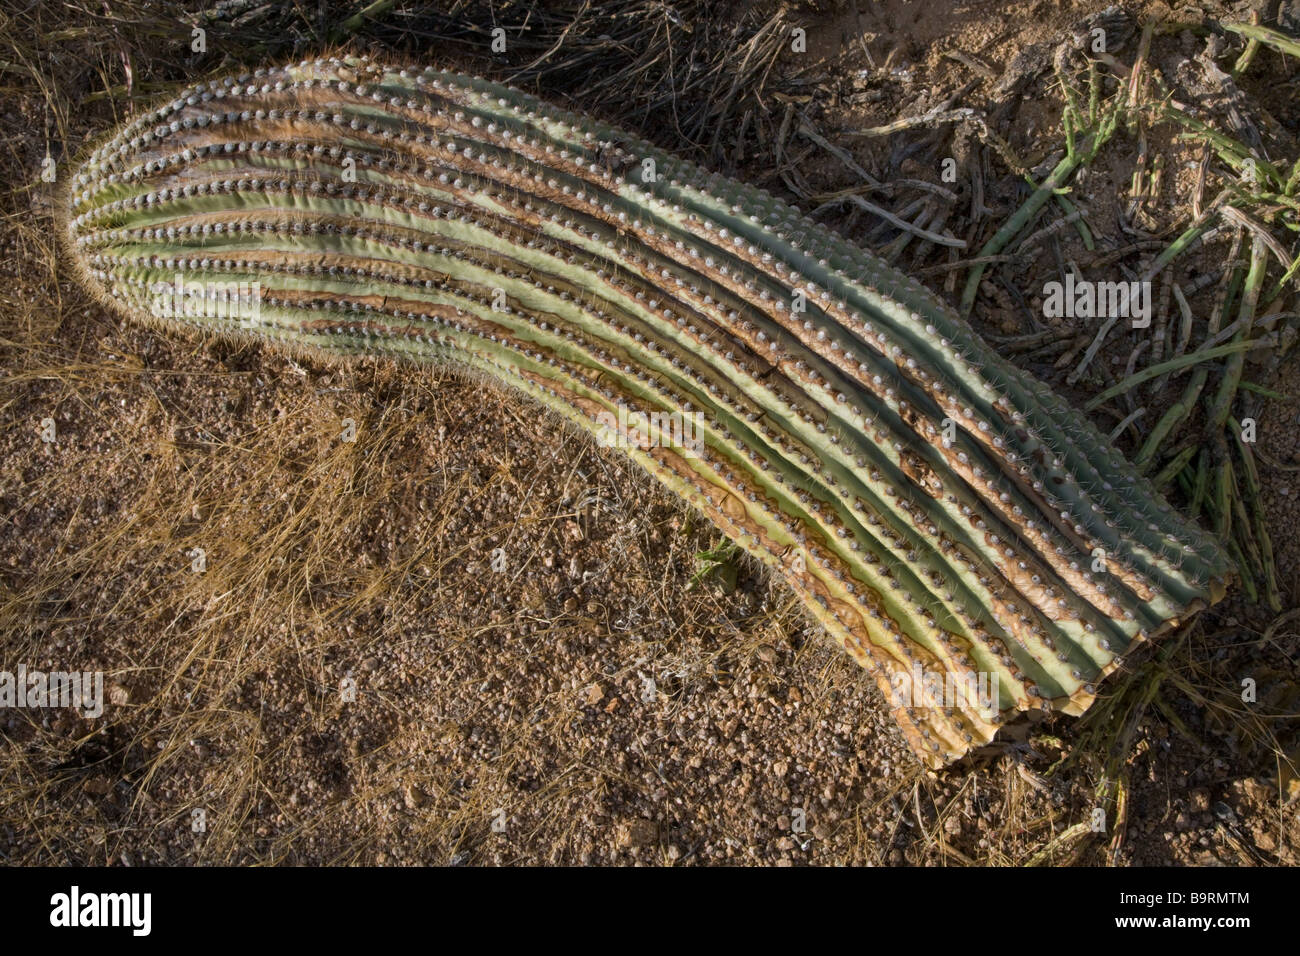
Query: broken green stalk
(932, 505)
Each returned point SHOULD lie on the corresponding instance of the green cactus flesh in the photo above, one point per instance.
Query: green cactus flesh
(939, 511)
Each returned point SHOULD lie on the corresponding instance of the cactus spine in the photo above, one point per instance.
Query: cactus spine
(939, 511)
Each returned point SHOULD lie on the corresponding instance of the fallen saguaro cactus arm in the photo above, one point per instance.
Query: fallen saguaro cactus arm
(967, 537)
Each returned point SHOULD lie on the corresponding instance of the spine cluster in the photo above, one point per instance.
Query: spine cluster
(938, 510)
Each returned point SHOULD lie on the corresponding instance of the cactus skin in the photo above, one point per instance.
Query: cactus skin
(932, 505)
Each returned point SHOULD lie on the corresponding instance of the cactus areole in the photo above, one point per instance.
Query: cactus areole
(973, 542)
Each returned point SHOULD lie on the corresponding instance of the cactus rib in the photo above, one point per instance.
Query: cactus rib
(932, 505)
